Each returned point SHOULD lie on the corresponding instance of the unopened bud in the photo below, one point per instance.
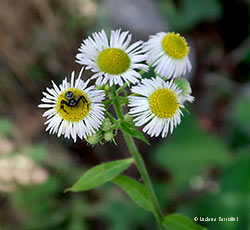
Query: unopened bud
(108, 136)
(106, 87)
(93, 139)
(106, 125)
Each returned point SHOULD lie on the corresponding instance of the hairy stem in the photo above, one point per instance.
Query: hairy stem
(140, 164)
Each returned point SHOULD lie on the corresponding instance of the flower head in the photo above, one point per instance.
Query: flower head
(158, 106)
(168, 53)
(73, 109)
(113, 60)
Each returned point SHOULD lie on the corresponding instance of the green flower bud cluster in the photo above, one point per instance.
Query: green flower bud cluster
(104, 87)
(104, 134)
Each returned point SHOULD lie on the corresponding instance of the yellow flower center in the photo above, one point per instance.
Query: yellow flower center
(164, 103)
(175, 45)
(74, 109)
(113, 61)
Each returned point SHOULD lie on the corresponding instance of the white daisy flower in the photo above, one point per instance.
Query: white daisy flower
(158, 106)
(73, 109)
(113, 60)
(168, 53)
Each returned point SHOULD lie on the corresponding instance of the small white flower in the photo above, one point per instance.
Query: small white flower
(73, 109)
(113, 60)
(168, 53)
(158, 106)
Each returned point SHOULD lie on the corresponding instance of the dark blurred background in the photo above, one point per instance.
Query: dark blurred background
(202, 170)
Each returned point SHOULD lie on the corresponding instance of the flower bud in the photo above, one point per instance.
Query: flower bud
(94, 139)
(106, 125)
(108, 136)
(107, 87)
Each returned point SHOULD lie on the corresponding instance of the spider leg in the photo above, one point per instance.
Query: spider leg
(62, 105)
(84, 100)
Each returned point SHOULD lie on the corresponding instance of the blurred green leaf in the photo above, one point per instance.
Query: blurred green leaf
(236, 177)
(189, 151)
(39, 203)
(122, 214)
(130, 129)
(5, 126)
(77, 217)
(100, 174)
(190, 12)
(135, 191)
(241, 112)
(180, 222)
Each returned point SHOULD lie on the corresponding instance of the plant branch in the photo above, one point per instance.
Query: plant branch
(139, 163)
(119, 90)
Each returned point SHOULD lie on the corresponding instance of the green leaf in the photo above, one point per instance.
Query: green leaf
(130, 129)
(180, 222)
(107, 103)
(135, 191)
(100, 174)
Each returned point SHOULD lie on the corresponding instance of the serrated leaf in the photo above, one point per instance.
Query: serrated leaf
(100, 174)
(130, 129)
(135, 191)
(180, 222)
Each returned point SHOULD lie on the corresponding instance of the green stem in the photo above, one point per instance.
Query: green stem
(140, 164)
(119, 90)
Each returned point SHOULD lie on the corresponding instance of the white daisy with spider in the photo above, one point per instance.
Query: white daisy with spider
(73, 108)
